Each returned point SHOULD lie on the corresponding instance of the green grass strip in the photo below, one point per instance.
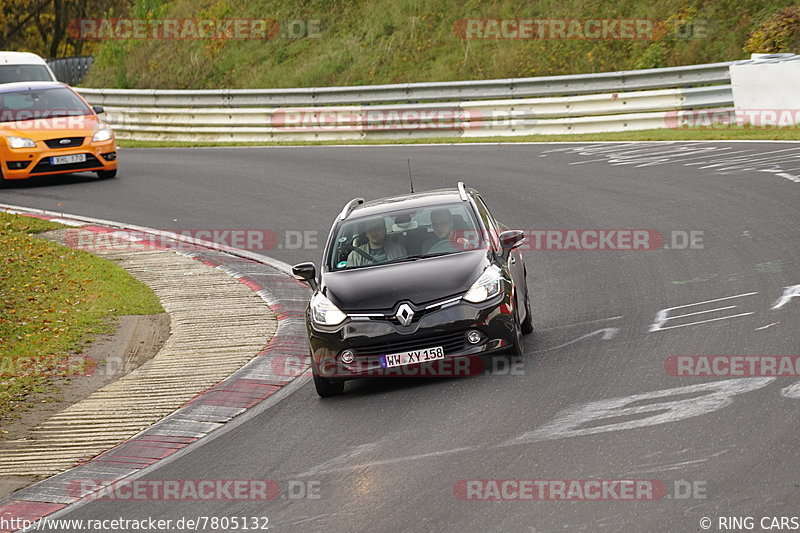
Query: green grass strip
(54, 300)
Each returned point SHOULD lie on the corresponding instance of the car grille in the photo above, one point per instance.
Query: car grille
(419, 312)
(45, 166)
(73, 142)
(451, 342)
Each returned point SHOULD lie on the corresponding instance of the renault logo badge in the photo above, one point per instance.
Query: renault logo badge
(405, 314)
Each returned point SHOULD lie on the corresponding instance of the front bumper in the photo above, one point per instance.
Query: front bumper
(24, 163)
(369, 339)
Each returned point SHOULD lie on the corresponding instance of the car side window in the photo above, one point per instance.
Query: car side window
(488, 220)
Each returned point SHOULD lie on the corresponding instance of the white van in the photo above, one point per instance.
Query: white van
(24, 66)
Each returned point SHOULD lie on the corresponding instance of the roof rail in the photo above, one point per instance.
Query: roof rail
(462, 192)
(349, 207)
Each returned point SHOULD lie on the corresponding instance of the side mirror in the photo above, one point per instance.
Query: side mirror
(511, 239)
(98, 109)
(306, 272)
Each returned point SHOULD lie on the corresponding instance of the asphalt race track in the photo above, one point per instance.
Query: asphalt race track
(591, 398)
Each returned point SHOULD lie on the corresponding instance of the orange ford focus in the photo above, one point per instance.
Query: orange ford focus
(47, 128)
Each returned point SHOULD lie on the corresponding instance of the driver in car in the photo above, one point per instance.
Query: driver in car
(444, 237)
(378, 246)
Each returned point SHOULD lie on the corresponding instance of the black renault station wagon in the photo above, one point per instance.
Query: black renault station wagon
(412, 280)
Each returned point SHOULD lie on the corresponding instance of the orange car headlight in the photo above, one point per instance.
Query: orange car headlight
(103, 135)
(20, 142)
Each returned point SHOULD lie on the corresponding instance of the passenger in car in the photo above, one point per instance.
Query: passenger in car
(444, 238)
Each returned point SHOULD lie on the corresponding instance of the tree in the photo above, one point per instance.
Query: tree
(778, 33)
(41, 26)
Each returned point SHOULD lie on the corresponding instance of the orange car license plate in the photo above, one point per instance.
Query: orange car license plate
(66, 159)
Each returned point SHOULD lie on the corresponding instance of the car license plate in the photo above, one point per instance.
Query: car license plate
(66, 159)
(414, 356)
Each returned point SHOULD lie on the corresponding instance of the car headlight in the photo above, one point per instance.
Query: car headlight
(20, 142)
(323, 312)
(487, 286)
(102, 135)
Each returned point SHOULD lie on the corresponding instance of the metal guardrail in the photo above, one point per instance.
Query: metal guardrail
(611, 101)
(632, 80)
(575, 114)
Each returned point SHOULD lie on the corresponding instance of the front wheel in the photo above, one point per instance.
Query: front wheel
(517, 349)
(328, 387)
(527, 324)
(105, 174)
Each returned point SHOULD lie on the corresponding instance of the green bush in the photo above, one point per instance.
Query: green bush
(779, 33)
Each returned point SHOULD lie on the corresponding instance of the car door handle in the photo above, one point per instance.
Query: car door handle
(513, 261)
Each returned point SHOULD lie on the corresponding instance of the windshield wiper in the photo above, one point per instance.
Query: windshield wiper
(415, 257)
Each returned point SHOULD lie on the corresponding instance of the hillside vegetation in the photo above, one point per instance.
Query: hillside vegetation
(392, 41)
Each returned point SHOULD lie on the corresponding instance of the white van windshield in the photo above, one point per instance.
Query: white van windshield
(12, 73)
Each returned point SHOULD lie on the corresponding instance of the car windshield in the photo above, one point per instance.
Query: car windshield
(29, 104)
(405, 235)
(12, 73)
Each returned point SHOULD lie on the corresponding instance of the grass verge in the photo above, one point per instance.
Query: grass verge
(54, 300)
(694, 134)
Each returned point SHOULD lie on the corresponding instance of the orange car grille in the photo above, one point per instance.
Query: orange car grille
(65, 142)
